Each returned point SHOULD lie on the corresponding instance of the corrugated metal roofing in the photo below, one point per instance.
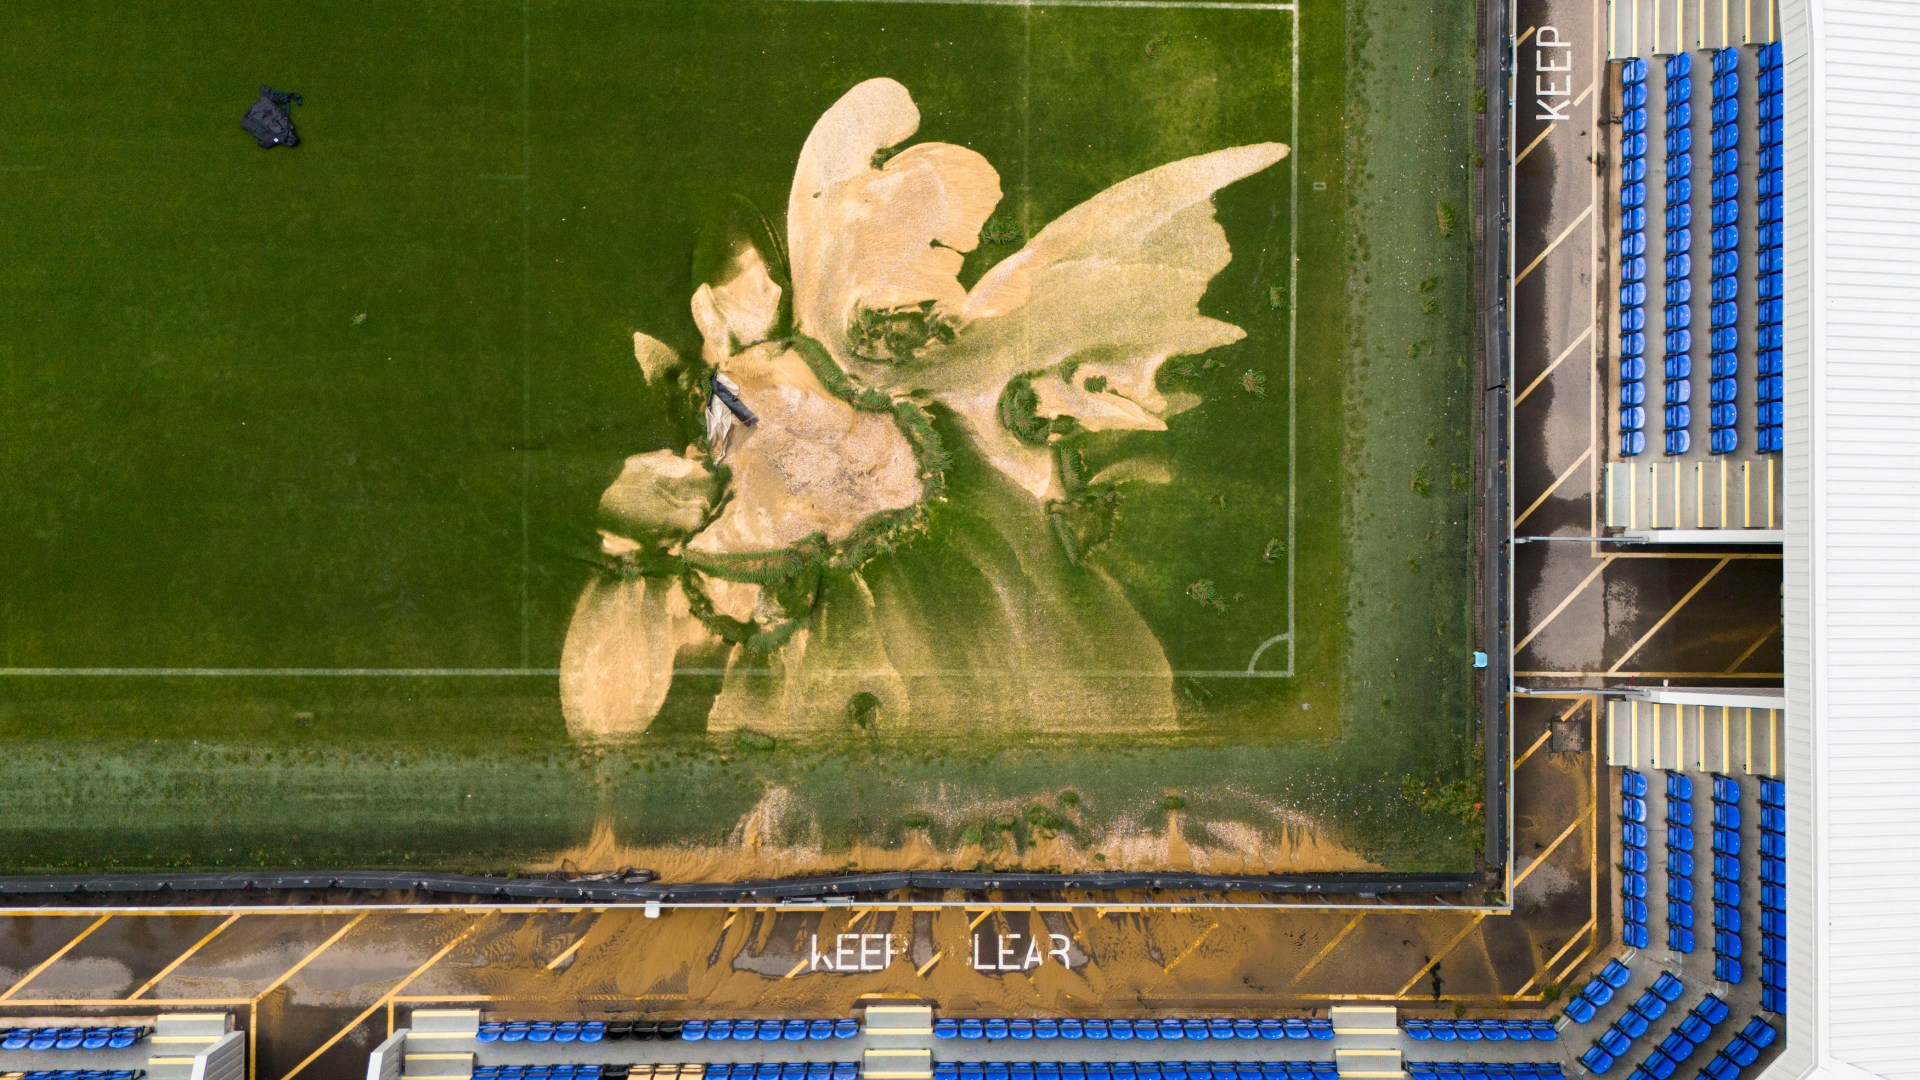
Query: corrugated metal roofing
(1852, 574)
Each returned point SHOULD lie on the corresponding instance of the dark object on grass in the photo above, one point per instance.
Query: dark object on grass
(728, 395)
(269, 122)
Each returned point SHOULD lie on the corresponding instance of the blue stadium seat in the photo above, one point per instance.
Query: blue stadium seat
(1726, 841)
(1678, 417)
(796, 1031)
(1723, 365)
(1633, 418)
(1679, 838)
(1680, 914)
(514, 1032)
(1634, 120)
(1679, 265)
(1679, 812)
(1632, 443)
(566, 1031)
(1596, 1059)
(1726, 917)
(1633, 808)
(1723, 289)
(1722, 391)
(1679, 888)
(1679, 188)
(1668, 987)
(1680, 867)
(1726, 815)
(489, 1033)
(946, 1027)
(1676, 316)
(1579, 1010)
(1633, 71)
(1678, 65)
(1726, 867)
(1633, 859)
(972, 1029)
(1723, 339)
(1633, 95)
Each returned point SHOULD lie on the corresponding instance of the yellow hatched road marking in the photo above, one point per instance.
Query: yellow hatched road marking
(1555, 958)
(1562, 606)
(1544, 855)
(1671, 612)
(51, 960)
(387, 998)
(1188, 951)
(311, 956)
(1478, 918)
(1537, 744)
(1328, 948)
(182, 958)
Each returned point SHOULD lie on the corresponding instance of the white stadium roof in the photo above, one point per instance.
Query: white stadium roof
(1852, 574)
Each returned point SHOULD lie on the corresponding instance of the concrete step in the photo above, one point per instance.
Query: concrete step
(182, 1028)
(897, 1064)
(1377, 1064)
(900, 1020)
(444, 1024)
(1365, 1020)
(1703, 738)
(435, 1064)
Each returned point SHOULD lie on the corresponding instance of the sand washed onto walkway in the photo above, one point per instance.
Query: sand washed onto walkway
(1225, 847)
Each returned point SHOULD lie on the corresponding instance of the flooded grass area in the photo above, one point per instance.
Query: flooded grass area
(305, 446)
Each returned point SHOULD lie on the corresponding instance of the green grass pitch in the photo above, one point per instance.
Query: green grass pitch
(303, 446)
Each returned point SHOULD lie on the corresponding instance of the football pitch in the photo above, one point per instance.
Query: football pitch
(334, 511)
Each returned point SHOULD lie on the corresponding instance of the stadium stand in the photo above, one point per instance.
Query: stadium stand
(765, 1030)
(1741, 1051)
(1772, 187)
(1681, 1042)
(1728, 965)
(1633, 263)
(818, 1070)
(75, 1074)
(71, 1038)
(1598, 991)
(1773, 915)
(1615, 1042)
(1679, 863)
(1482, 1030)
(1678, 362)
(1130, 1070)
(1488, 1070)
(1633, 844)
(1170, 1029)
(1730, 254)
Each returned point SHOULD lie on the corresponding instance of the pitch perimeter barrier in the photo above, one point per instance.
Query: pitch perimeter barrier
(488, 888)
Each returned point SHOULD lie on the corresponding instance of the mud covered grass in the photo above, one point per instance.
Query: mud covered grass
(353, 405)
